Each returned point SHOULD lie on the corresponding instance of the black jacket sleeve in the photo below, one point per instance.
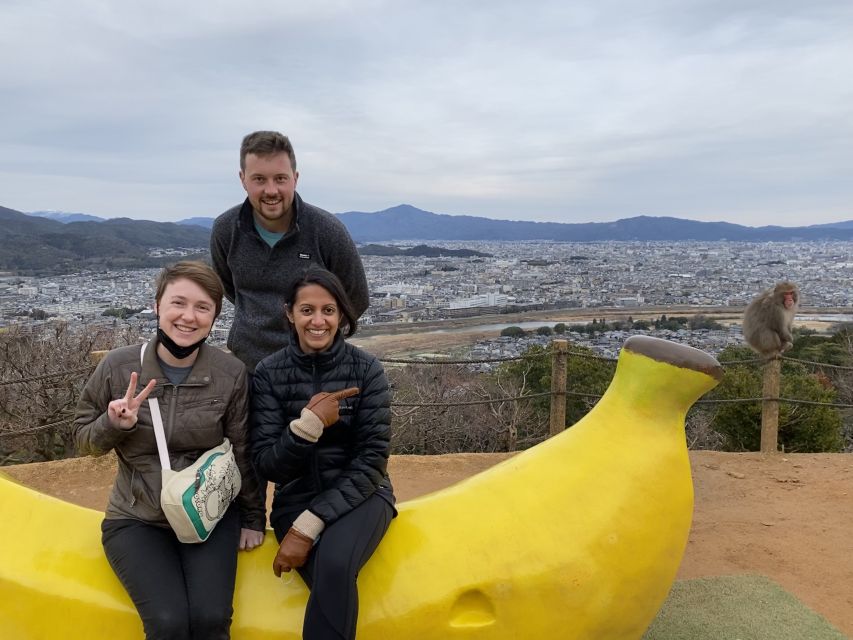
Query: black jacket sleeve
(278, 454)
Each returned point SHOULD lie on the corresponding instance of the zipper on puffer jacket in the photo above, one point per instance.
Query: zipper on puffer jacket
(315, 458)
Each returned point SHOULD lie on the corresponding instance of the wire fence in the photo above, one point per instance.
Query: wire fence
(82, 372)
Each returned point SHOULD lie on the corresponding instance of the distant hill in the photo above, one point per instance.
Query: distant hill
(420, 251)
(833, 225)
(405, 222)
(207, 223)
(39, 246)
(64, 217)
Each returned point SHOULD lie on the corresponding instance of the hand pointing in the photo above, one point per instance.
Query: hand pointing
(325, 404)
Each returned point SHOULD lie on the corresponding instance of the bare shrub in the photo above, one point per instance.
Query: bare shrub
(524, 423)
(700, 434)
(446, 420)
(42, 372)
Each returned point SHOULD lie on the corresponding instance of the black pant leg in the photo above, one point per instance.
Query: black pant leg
(332, 569)
(181, 591)
(210, 569)
(147, 562)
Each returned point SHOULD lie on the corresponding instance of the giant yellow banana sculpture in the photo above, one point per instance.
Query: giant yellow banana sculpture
(579, 537)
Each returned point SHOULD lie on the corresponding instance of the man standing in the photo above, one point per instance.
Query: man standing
(259, 248)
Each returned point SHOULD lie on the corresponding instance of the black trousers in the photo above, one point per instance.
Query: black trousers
(181, 591)
(332, 569)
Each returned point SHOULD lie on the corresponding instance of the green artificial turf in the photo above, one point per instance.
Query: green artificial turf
(737, 608)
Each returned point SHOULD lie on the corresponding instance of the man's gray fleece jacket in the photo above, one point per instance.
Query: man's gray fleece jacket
(257, 277)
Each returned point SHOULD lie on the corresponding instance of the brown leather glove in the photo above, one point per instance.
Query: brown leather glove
(292, 552)
(325, 405)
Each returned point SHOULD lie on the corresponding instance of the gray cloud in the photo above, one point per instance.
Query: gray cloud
(705, 109)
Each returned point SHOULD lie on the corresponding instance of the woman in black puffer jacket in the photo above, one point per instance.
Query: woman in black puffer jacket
(321, 429)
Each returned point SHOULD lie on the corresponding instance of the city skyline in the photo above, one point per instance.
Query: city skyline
(582, 112)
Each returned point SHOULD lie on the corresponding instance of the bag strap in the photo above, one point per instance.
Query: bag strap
(159, 433)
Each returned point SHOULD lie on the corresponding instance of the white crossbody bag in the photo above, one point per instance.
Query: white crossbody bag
(195, 499)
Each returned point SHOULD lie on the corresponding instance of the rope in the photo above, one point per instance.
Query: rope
(749, 361)
(47, 376)
(728, 400)
(780, 399)
(589, 356)
(598, 397)
(818, 364)
(789, 359)
(469, 402)
(41, 427)
(814, 403)
(581, 395)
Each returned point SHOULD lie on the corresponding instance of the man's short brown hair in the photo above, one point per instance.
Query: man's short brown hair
(264, 144)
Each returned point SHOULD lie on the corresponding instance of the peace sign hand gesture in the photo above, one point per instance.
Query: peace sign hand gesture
(122, 412)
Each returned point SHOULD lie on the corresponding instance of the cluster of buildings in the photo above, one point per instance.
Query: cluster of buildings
(603, 343)
(516, 277)
(534, 276)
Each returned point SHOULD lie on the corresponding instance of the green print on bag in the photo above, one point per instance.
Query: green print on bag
(209, 495)
(195, 499)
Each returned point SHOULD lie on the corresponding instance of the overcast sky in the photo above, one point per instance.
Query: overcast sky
(574, 111)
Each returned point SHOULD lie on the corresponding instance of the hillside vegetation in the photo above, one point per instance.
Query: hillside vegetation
(40, 247)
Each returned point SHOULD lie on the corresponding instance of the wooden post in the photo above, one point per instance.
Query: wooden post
(512, 436)
(770, 408)
(558, 386)
(96, 356)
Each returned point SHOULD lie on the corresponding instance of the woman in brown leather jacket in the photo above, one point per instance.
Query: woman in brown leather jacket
(181, 591)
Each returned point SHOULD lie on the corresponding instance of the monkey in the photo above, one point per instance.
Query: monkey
(769, 317)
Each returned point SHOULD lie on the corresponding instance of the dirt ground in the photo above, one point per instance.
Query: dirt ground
(788, 517)
(383, 346)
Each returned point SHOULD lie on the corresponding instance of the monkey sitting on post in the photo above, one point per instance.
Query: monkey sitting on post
(769, 317)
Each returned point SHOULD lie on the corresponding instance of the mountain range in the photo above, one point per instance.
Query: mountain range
(405, 223)
(55, 241)
(36, 245)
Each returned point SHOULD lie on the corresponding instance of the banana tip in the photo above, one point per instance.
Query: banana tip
(679, 355)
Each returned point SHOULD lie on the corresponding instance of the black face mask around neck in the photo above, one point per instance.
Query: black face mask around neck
(175, 349)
